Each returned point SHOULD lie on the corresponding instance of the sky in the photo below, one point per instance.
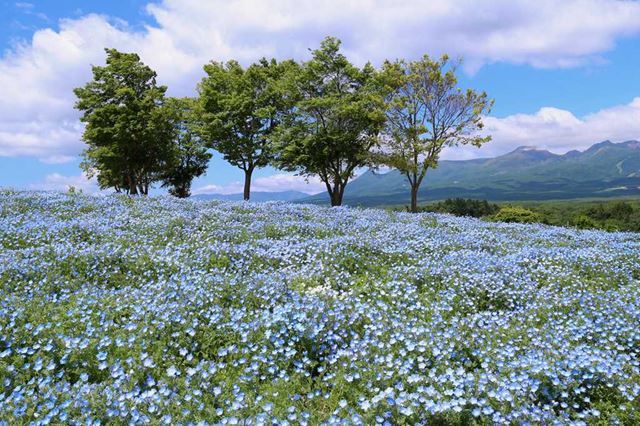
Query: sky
(564, 75)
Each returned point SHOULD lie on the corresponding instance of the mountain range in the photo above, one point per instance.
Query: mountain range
(605, 170)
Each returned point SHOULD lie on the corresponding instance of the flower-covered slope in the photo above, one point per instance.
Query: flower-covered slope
(123, 310)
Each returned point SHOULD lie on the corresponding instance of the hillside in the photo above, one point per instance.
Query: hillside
(604, 170)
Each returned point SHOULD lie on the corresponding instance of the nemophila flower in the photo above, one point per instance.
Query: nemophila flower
(181, 312)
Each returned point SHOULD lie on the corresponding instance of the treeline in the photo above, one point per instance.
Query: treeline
(615, 215)
(463, 207)
(324, 117)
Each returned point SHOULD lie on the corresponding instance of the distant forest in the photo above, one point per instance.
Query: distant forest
(611, 215)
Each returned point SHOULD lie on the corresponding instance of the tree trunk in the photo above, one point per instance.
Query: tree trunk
(336, 196)
(414, 198)
(247, 183)
(184, 191)
(133, 186)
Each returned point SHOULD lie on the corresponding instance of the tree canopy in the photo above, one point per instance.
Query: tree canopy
(325, 117)
(335, 121)
(239, 110)
(128, 133)
(188, 157)
(426, 112)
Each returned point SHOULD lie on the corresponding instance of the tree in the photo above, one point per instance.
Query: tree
(127, 131)
(188, 157)
(239, 110)
(335, 122)
(427, 112)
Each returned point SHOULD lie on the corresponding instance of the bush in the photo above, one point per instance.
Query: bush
(464, 207)
(618, 210)
(582, 221)
(515, 214)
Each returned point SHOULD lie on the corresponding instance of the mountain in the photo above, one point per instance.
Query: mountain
(256, 196)
(606, 169)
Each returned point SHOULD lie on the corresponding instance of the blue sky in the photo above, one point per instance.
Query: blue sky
(564, 75)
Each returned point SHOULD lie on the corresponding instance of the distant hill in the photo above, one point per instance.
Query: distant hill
(604, 170)
(256, 196)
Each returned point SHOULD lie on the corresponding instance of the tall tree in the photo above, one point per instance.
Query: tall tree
(188, 157)
(127, 131)
(426, 112)
(239, 110)
(334, 124)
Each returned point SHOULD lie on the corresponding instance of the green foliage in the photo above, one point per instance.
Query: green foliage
(240, 108)
(188, 157)
(617, 215)
(464, 207)
(604, 215)
(335, 123)
(619, 211)
(427, 112)
(583, 221)
(516, 214)
(128, 133)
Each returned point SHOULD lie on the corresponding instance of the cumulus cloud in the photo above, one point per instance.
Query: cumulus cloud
(36, 110)
(274, 183)
(556, 130)
(543, 33)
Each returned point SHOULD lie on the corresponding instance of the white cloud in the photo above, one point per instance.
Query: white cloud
(287, 182)
(57, 159)
(543, 33)
(53, 142)
(274, 183)
(556, 130)
(58, 182)
(37, 77)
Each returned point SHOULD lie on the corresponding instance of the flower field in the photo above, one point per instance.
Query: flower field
(157, 310)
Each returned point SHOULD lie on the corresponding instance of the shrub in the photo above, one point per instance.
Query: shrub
(464, 207)
(515, 214)
(582, 221)
(619, 210)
